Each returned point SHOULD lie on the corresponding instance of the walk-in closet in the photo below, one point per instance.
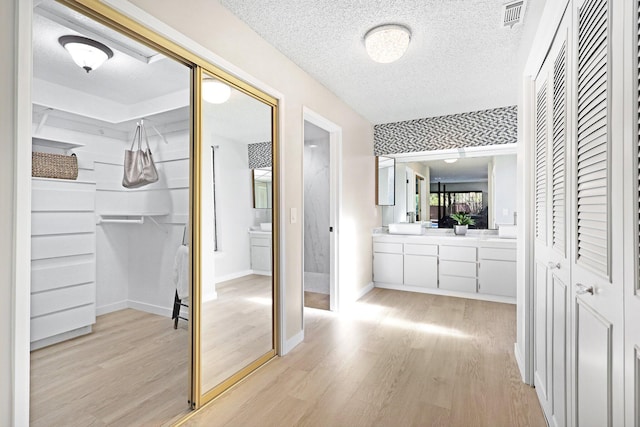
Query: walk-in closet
(130, 323)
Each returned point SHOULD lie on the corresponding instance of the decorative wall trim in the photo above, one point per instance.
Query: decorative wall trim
(479, 128)
(260, 155)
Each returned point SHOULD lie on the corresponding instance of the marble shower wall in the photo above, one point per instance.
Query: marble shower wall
(316, 206)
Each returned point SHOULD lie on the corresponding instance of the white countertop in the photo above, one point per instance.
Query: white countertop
(487, 238)
(260, 233)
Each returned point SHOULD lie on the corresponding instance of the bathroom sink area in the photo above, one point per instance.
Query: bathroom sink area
(266, 226)
(405, 228)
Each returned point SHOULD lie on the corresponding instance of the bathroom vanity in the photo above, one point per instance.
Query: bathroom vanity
(479, 266)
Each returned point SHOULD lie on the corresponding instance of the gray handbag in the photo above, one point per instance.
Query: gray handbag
(139, 168)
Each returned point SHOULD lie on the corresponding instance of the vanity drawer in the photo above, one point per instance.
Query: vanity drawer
(259, 241)
(458, 253)
(499, 254)
(413, 249)
(456, 268)
(390, 248)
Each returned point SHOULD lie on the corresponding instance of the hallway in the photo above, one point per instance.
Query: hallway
(397, 359)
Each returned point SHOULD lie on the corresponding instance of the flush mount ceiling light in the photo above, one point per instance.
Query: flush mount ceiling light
(88, 54)
(450, 160)
(215, 92)
(387, 43)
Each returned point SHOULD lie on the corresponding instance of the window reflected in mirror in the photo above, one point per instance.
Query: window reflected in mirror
(262, 188)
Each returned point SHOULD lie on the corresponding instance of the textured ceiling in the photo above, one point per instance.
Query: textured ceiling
(460, 58)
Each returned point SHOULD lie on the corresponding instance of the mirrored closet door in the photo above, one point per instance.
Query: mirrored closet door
(237, 287)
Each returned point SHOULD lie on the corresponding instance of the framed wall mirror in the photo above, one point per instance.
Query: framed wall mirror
(385, 181)
(262, 188)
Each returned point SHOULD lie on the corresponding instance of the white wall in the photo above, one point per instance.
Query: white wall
(215, 28)
(505, 188)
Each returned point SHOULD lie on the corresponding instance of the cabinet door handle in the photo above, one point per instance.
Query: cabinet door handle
(584, 289)
(553, 265)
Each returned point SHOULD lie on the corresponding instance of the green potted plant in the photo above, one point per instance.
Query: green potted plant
(464, 220)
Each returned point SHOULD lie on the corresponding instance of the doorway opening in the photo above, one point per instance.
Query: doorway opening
(321, 211)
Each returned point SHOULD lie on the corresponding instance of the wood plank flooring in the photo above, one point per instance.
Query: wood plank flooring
(316, 300)
(132, 370)
(396, 359)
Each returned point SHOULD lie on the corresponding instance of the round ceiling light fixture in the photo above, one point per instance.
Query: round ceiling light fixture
(215, 92)
(88, 54)
(450, 160)
(387, 43)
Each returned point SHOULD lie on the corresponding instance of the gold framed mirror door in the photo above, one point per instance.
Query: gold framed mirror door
(206, 239)
(237, 295)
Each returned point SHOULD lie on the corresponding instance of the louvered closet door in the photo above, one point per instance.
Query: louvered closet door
(552, 278)
(598, 227)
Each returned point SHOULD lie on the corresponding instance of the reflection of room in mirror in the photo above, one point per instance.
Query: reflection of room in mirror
(237, 326)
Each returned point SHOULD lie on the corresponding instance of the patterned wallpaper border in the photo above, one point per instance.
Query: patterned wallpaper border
(260, 155)
(475, 129)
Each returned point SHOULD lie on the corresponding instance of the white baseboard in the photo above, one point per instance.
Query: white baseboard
(519, 362)
(261, 272)
(210, 296)
(292, 342)
(234, 276)
(110, 308)
(150, 308)
(60, 337)
(444, 292)
(362, 292)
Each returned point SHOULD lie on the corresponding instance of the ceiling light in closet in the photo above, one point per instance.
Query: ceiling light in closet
(215, 92)
(387, 43)
(88, 54)
(450, 160)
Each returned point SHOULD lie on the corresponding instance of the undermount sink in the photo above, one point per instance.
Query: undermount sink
(405, 228)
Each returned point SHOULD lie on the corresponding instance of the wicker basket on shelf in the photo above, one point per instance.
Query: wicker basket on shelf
(60, 166)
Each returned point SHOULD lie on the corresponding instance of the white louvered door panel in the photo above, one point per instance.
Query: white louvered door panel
(558, 168)
(552, 272)
(597, 196)
(592, 171)
(541, 162)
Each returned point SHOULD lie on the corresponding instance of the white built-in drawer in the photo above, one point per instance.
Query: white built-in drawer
(459, 284)
(43, 223)
(62, 321)
(63, 200)
(61, 275)
(391, 248)
(413, 249)
(259, 241)
(456, 268)
(62, 245)
(62, 299)
(498, 254)
(458, 253)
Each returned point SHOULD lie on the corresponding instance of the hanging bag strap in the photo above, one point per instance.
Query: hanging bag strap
(146, 137)
(136, 135)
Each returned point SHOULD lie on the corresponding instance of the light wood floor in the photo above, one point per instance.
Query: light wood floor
(132, 370)
(236, 327)
(398, 359)
(316, 300)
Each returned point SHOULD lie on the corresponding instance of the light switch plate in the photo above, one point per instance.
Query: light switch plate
(294, 215)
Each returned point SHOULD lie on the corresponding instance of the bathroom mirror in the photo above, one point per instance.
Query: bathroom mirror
(385, 181)
(261, 188)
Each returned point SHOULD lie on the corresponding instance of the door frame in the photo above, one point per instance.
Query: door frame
(20, 286)
(335, 203)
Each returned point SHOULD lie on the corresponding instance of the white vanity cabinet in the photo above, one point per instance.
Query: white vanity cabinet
(421, 265)
(497, 271)
(388, 263)
(260, 252)
(458, 268)
(471, 267)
